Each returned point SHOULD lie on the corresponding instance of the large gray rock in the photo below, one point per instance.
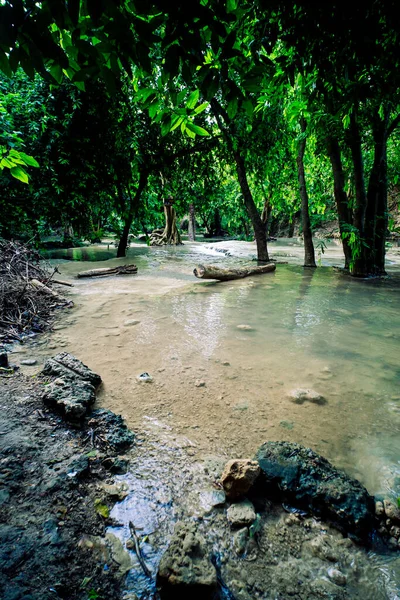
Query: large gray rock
(299, 475)
(73, 390)
(185, 569)
(66, 365)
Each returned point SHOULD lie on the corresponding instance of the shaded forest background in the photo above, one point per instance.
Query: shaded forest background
(253, 118)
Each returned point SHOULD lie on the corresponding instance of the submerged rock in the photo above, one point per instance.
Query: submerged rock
(238, 477)
(299, 396)
(72, 391)
(185, 569)
(302, 477)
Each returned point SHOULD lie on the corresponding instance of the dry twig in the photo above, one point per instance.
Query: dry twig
(25, 307)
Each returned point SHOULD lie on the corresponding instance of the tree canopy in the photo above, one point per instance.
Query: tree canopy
(254, 112)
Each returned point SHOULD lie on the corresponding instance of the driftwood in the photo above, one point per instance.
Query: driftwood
(61, 282)
(212, 272)
(41, 286)
(27, 298)
(121, 270)
(138, 550)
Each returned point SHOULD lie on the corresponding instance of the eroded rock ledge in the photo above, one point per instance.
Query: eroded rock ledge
(300, 476)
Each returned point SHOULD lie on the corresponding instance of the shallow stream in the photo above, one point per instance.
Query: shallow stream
(224, 356)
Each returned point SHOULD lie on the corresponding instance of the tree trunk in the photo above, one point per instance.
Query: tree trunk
(215, 229)
(266, 214)
(358, 266)
(170, 235)
(133, 205)
(309, 254)
(192, 223)
(381, 219)
(213, 272)
(376, 220)
(342, 201)
(258, 225)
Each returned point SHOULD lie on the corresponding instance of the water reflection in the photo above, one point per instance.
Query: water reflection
(202, 320)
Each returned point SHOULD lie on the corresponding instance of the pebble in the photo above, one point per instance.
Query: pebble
(241, 513)
(244, 327)
(379, 509)
(337, 577)
(240, 540)
(200, 383)
(29, 362)
(392, 511)
(131, 322)
(144, 377)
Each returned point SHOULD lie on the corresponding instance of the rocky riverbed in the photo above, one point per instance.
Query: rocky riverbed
(81, 521)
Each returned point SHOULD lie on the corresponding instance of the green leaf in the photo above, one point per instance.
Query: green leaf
(231, 5)
(92, 454)
(196, 129)
(29, 160)
(85, 581)
(145, 94)
(176, 121)
(6, 163)
(200, 108)
(346, 121)
(153, 109)
(101, 509)
(232, 108)
(57, 73)
(248, 107)
(165, 128)
(20, 173)
(193, 99)
(189, 133)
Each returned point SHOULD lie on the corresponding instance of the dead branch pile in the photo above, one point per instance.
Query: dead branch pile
(27, 300)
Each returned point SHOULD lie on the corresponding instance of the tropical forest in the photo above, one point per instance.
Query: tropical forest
(199, 300)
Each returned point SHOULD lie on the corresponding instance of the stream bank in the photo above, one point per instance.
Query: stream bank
(51, 487)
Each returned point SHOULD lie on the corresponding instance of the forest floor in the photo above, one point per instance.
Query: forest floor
(49, 484)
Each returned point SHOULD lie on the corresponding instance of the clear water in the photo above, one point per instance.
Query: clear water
(224, 356)
(316, 329)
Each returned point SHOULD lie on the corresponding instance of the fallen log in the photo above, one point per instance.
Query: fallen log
(121, 270)
(212, 272)
(40, 286)
(61, 282)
